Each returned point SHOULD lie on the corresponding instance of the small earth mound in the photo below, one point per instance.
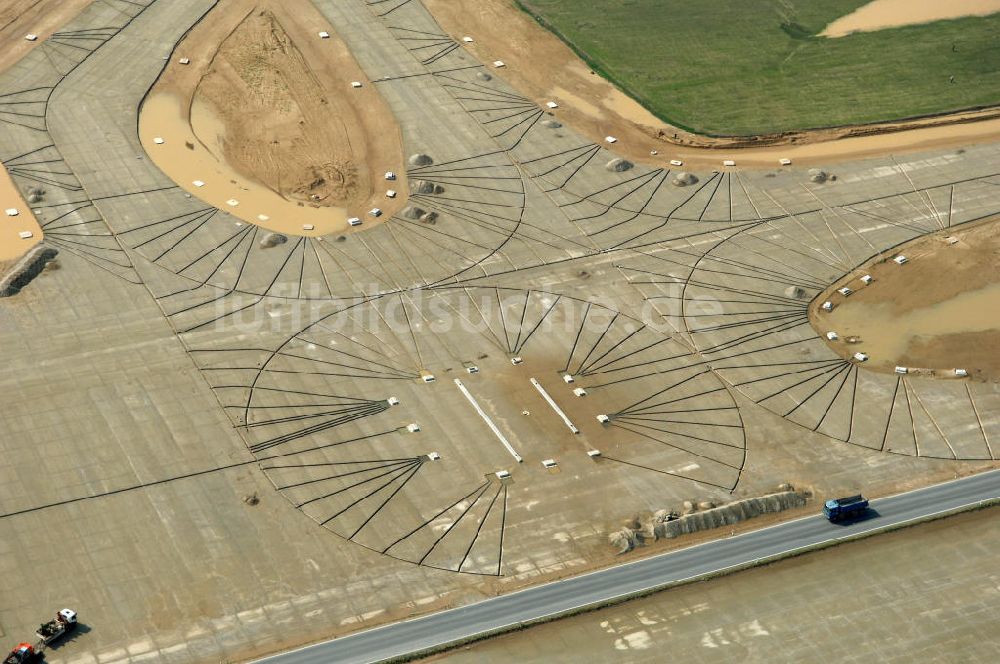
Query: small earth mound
(425, 187)
(796, 292)
(272, 240)
(684, 179)
(618, 165)
(551, 124)
(817, 176)
(429, 218)
(483, 76)
(420, 159)
(411, 212)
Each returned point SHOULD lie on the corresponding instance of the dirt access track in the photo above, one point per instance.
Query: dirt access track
(543, 68)
(264, 121)
(37, 17)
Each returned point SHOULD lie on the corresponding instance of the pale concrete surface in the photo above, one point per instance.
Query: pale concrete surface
(169, 342)
(928, 593)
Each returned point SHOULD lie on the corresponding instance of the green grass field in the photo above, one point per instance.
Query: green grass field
(737, 67)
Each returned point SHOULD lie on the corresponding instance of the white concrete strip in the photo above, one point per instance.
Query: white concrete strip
(555, 407)
(486, 418)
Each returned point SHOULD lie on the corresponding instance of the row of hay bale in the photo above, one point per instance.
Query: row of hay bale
(705, 515)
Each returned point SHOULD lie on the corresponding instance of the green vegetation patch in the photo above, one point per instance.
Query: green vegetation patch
(739, 67)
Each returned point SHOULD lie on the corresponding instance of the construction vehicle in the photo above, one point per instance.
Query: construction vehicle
(839, 509)
(63, 623)
(22, 654)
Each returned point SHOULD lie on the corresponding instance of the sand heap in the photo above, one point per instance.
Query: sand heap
(277, 118)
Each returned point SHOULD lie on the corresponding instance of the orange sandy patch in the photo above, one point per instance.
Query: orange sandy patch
(882, 14)
(265, 124)
(38, 17)
(12, 245)
(543, 68)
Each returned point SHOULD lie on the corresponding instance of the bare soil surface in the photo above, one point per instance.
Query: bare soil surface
(12, 246)
(883, 14)
(38, 17)
(938, 312)
(275, 121)
(543, 68)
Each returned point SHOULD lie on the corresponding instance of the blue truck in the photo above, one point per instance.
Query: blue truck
(839, 509)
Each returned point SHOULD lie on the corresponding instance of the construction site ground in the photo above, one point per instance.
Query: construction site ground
(925, 593)
(239, 444)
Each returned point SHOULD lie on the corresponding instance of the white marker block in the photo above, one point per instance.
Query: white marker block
(393, 401)
(262, 217)
(516, 360)
(961, 372)
(324, 34)
(389, 175)
(31, 37)
(900, 259)
(25, 235)
(499, 63)
(308, 227)
(610, 139)
(603, 419)
(185, 61)
(728, 162)
(198, 183)
(861, 357)
(580, 392)
(353, 221)
(827, 306)
(567, 379)
(375, 212)
(785, 162)
(232, 202)
(845, 291)
(390, 193)
(468, 40)
(158, 140)
(902, 370)
(552, 104)
(832, 336)
(355, 84)
(867, 279)
(676, 162)
(12, 212)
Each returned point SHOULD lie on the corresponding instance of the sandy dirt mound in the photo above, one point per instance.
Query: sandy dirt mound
(266, 112)
(933, 314)
(279, 128)
(592, 106)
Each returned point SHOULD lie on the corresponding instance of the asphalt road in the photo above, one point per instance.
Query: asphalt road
(448, 626)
